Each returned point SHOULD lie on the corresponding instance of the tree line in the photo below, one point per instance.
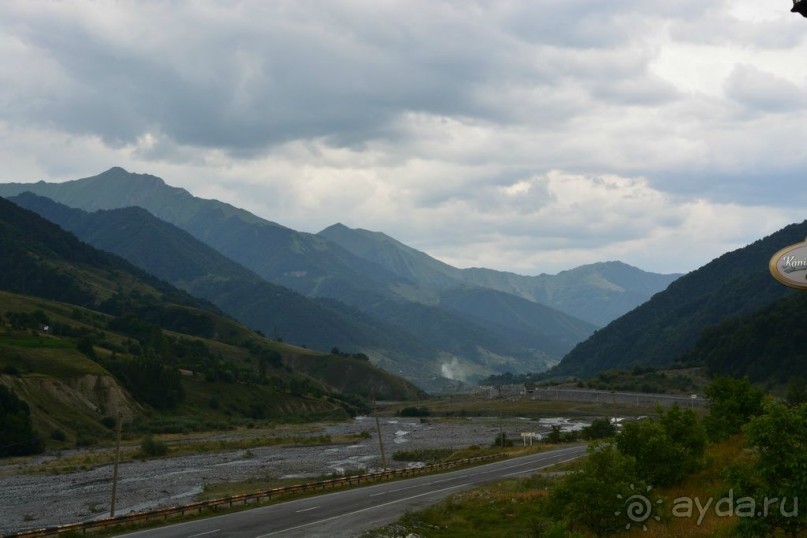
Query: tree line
(664, 451)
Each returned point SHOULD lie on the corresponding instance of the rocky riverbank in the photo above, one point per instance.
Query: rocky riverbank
(32, 500)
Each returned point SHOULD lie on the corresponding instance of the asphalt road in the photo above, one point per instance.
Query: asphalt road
(347, 513)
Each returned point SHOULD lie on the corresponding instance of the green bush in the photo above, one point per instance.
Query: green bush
(414, 412)
(732, 403)
(85, 439)
(592, 496)
(11, 370)
(151, 448)
(600, 428)
(109, 422)
(17, 437)
(665, 451)
(502, 441)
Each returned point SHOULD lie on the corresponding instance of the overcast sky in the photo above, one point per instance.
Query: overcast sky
(531, 136)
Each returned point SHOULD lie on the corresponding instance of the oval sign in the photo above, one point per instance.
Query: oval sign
(789, 266)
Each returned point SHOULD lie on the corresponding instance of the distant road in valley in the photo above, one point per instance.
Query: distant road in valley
(348, 513)
(623, 398)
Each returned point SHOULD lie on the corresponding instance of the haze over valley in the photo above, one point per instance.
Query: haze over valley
(355, 290)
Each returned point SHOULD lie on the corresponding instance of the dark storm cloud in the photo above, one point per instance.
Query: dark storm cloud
(298, 73)
(243, 75)
(502, 131)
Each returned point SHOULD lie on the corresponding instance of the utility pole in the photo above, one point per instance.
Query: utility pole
(378, 432)
(501, 427)
(380, 443)
(115, 467)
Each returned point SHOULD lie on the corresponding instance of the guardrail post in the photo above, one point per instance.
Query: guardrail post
(165, 512)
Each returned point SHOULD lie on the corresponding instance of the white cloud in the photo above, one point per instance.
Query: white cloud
(528, 135)
(764, 92)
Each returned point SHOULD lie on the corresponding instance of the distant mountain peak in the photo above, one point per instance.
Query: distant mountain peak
(597, 292)
(668, 326)
(360, 232)
(116, 174)
(335, 227)
(115, 170)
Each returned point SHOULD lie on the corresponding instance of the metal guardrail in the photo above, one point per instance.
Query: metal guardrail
(244, 498)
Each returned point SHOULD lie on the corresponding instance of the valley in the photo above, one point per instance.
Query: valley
(438, 326)
(521, 269)
(72, 485)
(232, 366)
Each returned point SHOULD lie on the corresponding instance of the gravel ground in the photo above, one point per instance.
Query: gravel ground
(34, 501)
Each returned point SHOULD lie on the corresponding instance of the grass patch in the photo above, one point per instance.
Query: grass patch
(35, 342)
(463, 406)
(709, 482)
(60, 361)
(516, 507)
(225, 489)
(507, 508)
(426, 455)
(175, 446)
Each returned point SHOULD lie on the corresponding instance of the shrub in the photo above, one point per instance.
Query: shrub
(600, 429)
(109, 422)
(414, 412)
(502, 441)
(732, 403)
(85, 439)
(151, 448)
(11, 370)
(593, 495)
(17, 437)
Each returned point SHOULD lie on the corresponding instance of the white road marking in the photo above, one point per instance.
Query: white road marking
(543, 467)
(360, 511)
(482, 472)
(204, 533)
(306, 509)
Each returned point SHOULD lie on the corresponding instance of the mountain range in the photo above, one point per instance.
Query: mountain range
(177, 257)
(597, 293)
(85, 334)
(732, 292)
(354, 289)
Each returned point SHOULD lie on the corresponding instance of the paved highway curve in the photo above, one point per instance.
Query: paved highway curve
(348, 513)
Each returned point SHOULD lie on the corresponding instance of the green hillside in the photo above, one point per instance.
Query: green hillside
(379, 248)
(597, 293)
(300, 261)
(767, 345)
(523, 323)
(40, 259)
(668, 326)
(172, 254)
(101, 337)
(77, 369)
(386, 330)
(416, 338)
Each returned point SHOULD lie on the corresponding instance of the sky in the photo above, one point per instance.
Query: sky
(523, 135)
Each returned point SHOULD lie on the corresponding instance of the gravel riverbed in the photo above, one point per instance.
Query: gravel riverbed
(38, 500)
